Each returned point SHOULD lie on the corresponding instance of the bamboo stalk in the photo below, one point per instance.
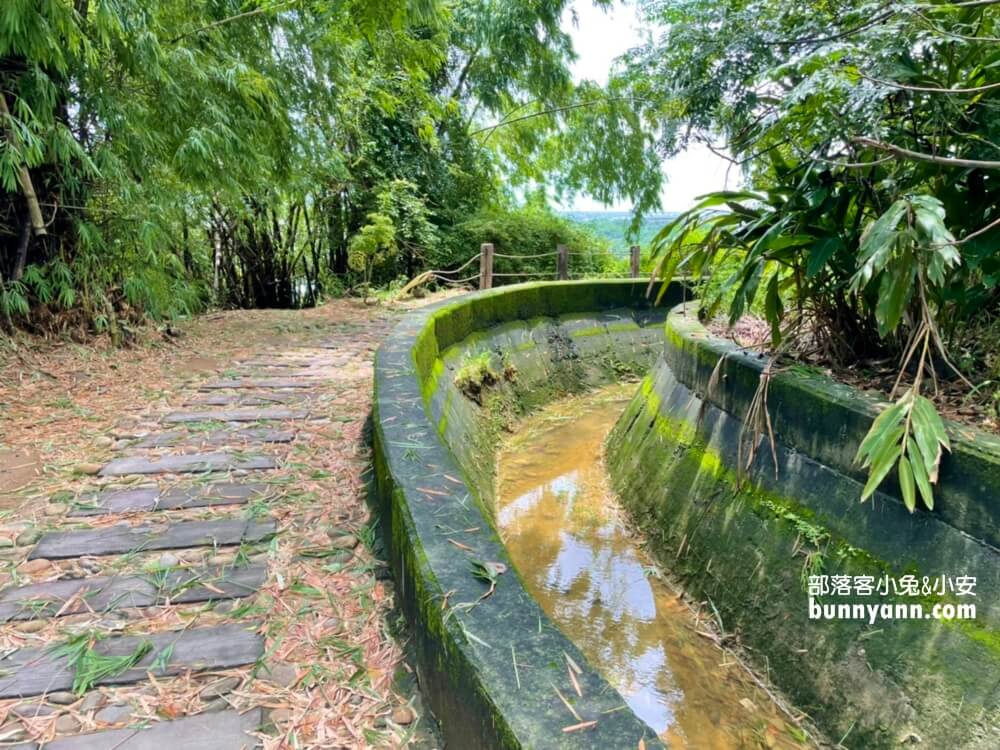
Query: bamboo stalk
(24, 176)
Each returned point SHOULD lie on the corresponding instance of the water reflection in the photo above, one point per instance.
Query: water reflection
(560, 521)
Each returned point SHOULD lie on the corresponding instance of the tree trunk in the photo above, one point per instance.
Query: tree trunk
(23, 241)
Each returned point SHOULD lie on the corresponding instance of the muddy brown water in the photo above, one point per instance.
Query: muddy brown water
(567, 539)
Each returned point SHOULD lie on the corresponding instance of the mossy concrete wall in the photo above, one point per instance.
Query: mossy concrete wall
(491, 669)
(747, 542)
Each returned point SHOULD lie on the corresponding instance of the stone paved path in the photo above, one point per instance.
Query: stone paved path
(204, 573)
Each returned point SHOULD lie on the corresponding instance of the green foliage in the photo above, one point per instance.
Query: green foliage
(182, 153)
(489, 573)
(909, 434)
(375, 243)
(532, 230)
(614, 227)
(909, 249)
(867, 135)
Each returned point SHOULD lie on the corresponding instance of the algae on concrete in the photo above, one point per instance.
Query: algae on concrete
(746, 543)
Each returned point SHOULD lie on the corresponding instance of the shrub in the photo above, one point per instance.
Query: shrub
(530, 230)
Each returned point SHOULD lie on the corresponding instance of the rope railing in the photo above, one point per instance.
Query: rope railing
(456, 282)
(486, 274)
(461, 267)
(522, 273)
(526, 257)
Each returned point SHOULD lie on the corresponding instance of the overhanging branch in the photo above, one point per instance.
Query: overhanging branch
(946, 161)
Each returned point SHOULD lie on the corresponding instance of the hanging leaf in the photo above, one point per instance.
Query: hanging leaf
(911, 436)
(906, 483)
(820, 253)
(895, 294)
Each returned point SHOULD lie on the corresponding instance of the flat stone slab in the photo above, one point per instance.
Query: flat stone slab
(104, 593)
(175, 498)
(225, 730)
(235, 415)
(247, 399)
(188, 464)
(257, 383)
(182, 438)
(290, 372)
(29, 672)
(286, 363)
(115, 540)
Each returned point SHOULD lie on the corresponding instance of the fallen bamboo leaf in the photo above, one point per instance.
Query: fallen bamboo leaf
(567, 704)
(572, 678)
(578, 727)
(429, 491)
(573, 665)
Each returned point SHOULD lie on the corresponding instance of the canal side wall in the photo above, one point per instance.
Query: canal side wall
(449, 381)
(747, 541)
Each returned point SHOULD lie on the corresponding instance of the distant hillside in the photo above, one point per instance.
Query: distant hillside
(614, 224)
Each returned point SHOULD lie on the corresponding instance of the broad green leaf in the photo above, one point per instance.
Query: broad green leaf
(883, 425)
(930, 435)
(877, 244)
(922, 480)
(906, 484)
(895, 293)
(789, 240)
(881, 467)
(820, 253)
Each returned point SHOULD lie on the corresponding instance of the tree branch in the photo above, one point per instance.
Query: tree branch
(555, 110)
(946, 6)
(877, 19)
(931, 89)
(972, 235)
(228, 19)
(904, 153)
(464, 73)
(884, 15)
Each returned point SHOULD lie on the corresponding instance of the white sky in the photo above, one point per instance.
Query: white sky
(599, 37)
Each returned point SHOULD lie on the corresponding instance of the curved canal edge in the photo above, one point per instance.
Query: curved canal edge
(749, 542)
(495, 669)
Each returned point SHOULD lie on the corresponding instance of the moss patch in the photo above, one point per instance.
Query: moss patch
(477, 374)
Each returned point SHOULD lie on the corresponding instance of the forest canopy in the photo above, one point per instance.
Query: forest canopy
(159, 155)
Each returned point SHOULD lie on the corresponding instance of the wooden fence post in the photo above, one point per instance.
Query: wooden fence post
(486, 265)
(634, 251)
(562, 262)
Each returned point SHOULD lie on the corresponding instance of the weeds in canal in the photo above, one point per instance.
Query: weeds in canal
(480, 372)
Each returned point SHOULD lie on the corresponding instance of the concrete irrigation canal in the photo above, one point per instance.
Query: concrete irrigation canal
(565, 595)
